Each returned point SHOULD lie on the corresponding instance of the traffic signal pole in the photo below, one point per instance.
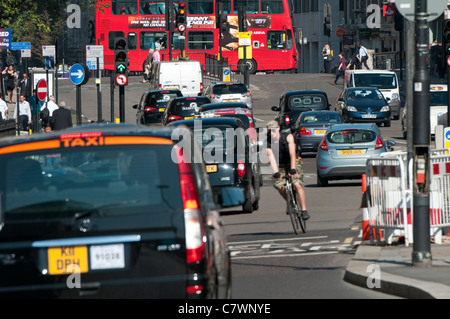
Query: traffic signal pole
(421, 255)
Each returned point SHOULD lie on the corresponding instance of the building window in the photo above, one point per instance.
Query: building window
(200, 40)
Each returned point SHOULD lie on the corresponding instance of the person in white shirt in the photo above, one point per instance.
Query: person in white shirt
(3, 109)
(156, 55)
(24, 113)
(51, 105)
(363, 56)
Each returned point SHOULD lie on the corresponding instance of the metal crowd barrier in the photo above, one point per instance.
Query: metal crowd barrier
(389, 194)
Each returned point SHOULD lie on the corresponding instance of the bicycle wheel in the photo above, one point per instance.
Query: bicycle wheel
(301, 221)
(292, 209)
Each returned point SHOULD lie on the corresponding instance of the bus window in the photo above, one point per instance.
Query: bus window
(149, 38)
(252, 6)
(152, 7)
(176, 43)
(272, 6)
(226, 6)
(124, 7)
(276, 40)
(201, 7)
(200, 40)
(112, 35)
(132, 41)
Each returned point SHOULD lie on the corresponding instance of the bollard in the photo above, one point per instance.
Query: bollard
(364, 211)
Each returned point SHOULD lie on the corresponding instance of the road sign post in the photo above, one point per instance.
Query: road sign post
(79, 75)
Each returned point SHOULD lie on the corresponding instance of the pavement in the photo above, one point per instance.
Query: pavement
(389, 269)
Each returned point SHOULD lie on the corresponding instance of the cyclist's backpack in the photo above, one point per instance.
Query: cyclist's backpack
(45, 115)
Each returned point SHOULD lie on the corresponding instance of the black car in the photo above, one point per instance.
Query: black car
(293, 103)
(153, 104)
(183, 108)
(104, 211)
(231, 164)
(364, 105)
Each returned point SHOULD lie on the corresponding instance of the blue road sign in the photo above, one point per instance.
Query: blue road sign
(79, 74)
(20, 46)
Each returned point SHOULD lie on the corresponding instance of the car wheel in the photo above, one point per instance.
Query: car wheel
(247, 207)
(321, 181)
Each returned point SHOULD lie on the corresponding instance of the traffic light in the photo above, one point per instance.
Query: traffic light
(121, 60)
(327, 19)
(398, 20)
(181, 16)
(221, 19)
(242, 18)
(446, 38)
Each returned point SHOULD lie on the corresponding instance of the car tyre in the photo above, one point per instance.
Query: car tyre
(387, 123)
(321, 181)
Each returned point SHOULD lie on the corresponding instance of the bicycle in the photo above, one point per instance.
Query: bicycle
(293, 207)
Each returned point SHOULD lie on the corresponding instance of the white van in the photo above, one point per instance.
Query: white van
(385, 81)
(185, 76)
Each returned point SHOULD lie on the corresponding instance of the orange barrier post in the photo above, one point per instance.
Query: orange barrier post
(364, 211)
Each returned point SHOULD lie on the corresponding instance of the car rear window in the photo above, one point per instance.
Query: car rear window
(188, 107)
(321, 118)
(378, 80)
(307, 101)
(230, 89)
(104, 181)
(438, 98)
(156, 98)
(351, 136)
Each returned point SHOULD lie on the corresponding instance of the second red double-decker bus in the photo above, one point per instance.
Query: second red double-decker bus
(143, 23)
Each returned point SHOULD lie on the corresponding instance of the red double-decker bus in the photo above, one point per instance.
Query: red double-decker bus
(142, 22)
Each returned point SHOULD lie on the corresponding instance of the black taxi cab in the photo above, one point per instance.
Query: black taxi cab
(108, 211)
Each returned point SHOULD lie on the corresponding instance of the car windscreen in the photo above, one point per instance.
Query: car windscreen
(230, 89)
(378, 80)
(160, 98)
(351, 136)
(101, 181)
(307, 101)
(188, 107)
(320, 118)
(438, 98)
(364, 94)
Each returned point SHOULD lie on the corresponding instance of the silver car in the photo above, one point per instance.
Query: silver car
(229, 92)
(344, 150)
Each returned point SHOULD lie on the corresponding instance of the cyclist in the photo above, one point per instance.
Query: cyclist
(284, 142)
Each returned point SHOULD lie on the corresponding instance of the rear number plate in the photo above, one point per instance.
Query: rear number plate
(351, 152)
(211, 168)
(67, 260)
(231, 100)
(319, 132)
(161, 109)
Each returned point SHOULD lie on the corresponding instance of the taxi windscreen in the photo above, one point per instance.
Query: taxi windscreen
(100, 181)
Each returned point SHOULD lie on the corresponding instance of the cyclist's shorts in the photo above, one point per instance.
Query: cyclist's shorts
(281, 182)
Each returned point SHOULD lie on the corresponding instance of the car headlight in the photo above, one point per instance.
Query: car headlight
(394, 98)
(385, 108)
(351, 108)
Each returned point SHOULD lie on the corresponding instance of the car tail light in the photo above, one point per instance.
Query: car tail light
(213, 96)
(324, 146)
(379, 144)
(248, 93)
(241, 169)
(193, 223)
(159, 87)
(174, 118)
(201, 87)
(304, 131)
(149, 109)
(287, 120)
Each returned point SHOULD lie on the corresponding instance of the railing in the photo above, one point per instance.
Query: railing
(386, 60)
(8, 128)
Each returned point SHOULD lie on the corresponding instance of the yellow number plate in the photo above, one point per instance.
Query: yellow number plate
(68, 259)
(211, 168)
(231, 100)
(352, 152)
(161, 109)
(320, 132)
(188, 117)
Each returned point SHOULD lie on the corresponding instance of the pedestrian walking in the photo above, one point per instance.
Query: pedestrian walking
(148, 66)
(363, 56)
(25, 86)
(61, 118)
(341, 68)
(327, 58)
(24, 113)
(10, 82)
(35, 105)
(156, 55)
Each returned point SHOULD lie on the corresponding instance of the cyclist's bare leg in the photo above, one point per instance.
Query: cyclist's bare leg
(282, 192)
(301, 196)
